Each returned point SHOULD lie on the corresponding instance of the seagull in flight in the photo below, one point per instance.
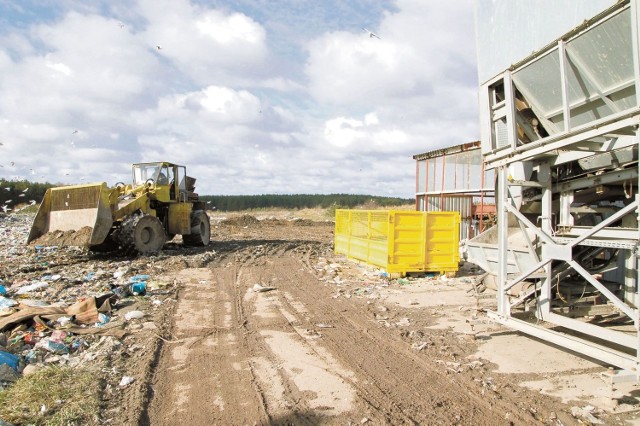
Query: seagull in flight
(371, 33)
(74, 132)
(159, 47)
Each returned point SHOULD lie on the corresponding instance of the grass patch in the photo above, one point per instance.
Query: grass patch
(71, 397)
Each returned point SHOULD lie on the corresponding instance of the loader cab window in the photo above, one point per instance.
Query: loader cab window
(163, 176)
(182, 182)
(142, 172)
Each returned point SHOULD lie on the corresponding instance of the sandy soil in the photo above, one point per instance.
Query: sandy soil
(267, 326)
(271, 328)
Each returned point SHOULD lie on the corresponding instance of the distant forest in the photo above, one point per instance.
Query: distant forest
(299, 201)
(18, 193)
(13, 193)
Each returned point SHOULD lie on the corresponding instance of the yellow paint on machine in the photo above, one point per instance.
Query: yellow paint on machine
(400, 241)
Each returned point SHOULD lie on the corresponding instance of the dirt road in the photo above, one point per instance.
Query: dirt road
(266, 326)
(271, 330)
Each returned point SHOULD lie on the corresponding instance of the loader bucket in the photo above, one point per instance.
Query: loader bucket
(73, 216)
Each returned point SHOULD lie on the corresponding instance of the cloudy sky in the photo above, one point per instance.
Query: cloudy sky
(253, 96)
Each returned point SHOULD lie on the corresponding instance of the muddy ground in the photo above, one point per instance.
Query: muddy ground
(268, 326)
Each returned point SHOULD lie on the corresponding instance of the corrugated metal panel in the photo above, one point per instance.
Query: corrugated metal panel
(450, 203)
(399, 241)
(600, 62)
(508, 30)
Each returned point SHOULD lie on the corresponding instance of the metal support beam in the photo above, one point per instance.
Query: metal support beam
(566, 112)
(572, 343)
(503, 226)
(563, 140)
(629, 311)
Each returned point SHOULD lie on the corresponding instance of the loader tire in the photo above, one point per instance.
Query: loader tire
(143, 234)
(200, 230)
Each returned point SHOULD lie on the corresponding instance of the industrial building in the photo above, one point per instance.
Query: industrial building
(455, 179)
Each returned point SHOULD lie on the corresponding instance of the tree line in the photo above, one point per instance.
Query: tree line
(14, 193)
(299, 201)
(19, 193)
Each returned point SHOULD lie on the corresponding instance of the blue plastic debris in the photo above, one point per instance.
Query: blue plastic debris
(10, 359)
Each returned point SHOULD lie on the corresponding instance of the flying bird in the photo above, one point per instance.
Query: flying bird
(32, 202)
(22, 195)
(120, 24)
(74, 132)
(6, 209)
(25, 190)
(371, 33)
(7, 189)
(159, 47)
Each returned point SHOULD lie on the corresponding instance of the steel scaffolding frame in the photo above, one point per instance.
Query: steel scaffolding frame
(596, 123)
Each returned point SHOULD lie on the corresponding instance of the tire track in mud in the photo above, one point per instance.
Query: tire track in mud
(203, 377)
(207, 372)
(249, 357)
(403, 386)
(395, 385)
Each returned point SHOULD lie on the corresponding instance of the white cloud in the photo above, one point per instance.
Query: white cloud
(217, 99)
(423, 45)
(367, 135)
(207, 45)
(59, 67)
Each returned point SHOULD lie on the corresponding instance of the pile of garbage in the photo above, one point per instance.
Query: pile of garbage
(59, 304)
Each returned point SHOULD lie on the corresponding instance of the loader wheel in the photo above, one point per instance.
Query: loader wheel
(200, 230)
(143, 234)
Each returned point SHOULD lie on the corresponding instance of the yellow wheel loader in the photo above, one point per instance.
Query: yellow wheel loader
(136, 218)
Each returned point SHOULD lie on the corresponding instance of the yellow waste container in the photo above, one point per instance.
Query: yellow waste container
(400, 241)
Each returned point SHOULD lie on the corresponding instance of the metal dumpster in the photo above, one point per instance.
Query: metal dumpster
(400, 241)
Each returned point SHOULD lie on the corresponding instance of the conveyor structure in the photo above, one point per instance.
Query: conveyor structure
(560, 129)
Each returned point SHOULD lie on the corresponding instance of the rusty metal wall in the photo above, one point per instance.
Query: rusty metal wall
(450, 203)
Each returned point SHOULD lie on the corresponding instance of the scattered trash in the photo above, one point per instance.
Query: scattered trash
(52, 346)
(5, 302)
(261, 289)
(32, 287)
(126, 381)
(322, 325)
(403, 322)
(103, 319)
(133, 315)
(419, 346)
(9, 359)
(64, 321)
(585, 413)
(138, 288)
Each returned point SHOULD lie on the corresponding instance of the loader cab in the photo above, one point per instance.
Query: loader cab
(165, 178)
